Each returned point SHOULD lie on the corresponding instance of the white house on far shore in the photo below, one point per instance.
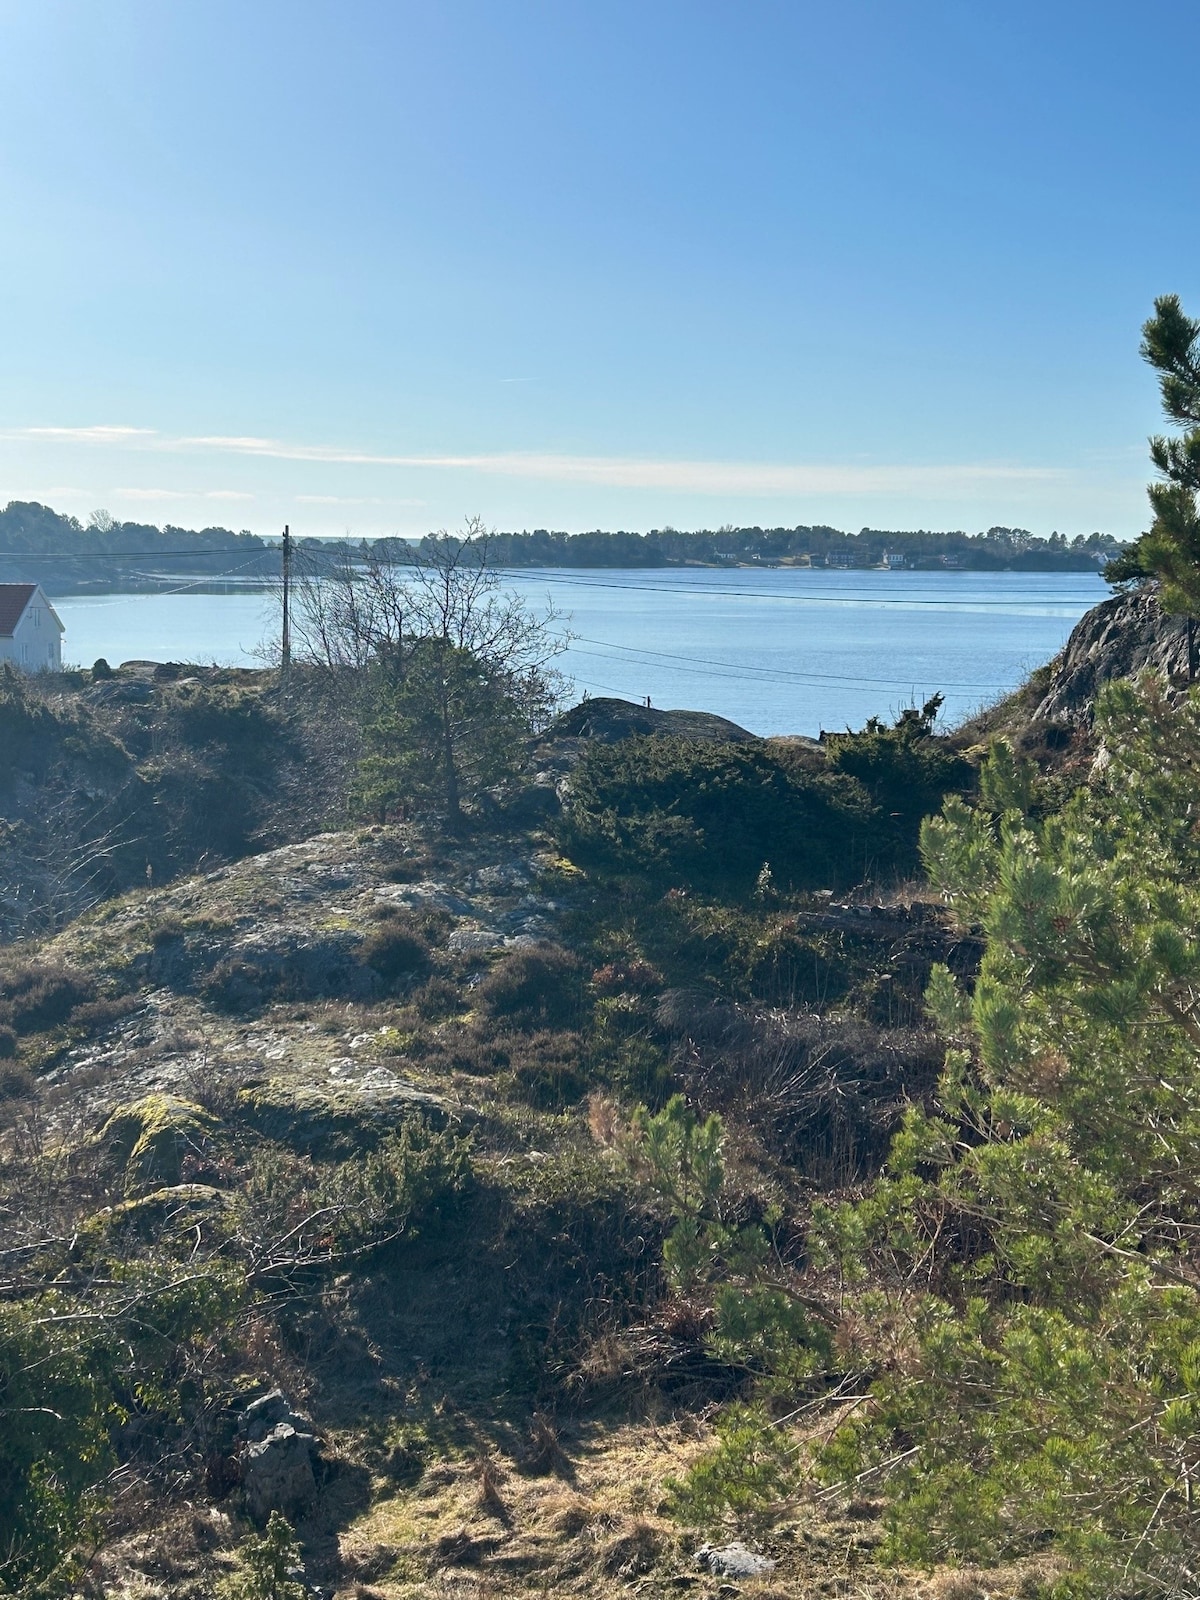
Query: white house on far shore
(30, 632)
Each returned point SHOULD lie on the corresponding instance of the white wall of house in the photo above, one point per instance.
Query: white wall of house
(36, 642)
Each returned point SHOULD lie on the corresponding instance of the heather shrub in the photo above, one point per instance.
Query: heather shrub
(395, 948)
(34, 996)
(539, 986)
(547, 1071)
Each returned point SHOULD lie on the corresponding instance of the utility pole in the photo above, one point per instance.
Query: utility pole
(285, 653)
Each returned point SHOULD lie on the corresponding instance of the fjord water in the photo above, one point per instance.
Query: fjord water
(779, 650)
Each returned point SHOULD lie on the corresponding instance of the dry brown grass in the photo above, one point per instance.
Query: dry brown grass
(605, 1534)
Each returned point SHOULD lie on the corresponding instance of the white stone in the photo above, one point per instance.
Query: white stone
(733, 1561)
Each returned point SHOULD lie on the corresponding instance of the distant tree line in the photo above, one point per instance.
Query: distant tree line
(40, 545)
(997, 549)
(66, 556)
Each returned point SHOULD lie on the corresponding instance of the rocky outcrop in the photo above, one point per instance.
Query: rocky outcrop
(336, 1117)
(610, 719)
(1116, 639)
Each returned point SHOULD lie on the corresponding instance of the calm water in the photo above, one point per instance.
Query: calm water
(779, 651)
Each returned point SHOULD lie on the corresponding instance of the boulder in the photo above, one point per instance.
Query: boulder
(295, 958)
(277, 1472)
(733, 1561)
(278, 1453)
(470, 941)
(538, 802)
(151, 1136)
(161, 1214)
(339, 1118)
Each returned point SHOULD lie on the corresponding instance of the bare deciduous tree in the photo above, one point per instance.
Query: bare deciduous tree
(439, 664)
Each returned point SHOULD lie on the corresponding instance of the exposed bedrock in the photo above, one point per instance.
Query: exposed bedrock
(1116, 639)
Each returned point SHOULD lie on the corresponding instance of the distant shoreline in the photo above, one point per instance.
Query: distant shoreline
(199, 583)
(40, 545)
(187, 581)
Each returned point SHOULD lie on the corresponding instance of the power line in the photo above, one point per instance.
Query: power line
(566, 577)
(766, 673)
(846, 685)
(674, 661)
(828, 680)
(157, 594)
(819, 597)
(32, 556)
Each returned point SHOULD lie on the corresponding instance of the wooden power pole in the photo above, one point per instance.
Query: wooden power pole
(285, 654)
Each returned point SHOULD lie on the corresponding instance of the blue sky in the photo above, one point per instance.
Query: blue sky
(379, 266)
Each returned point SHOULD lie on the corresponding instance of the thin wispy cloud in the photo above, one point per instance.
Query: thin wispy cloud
(105, 433)
(184, 494)
(622, 472)
(339, 500)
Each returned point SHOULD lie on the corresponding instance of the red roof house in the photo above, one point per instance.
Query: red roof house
(30, 632)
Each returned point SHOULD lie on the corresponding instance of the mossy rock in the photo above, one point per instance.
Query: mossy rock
(153, 1217)
(334, 1121)
(151, 1137)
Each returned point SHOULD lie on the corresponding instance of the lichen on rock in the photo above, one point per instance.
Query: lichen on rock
(150, 1137)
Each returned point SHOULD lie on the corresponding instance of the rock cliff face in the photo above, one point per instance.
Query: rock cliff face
(1116, 639)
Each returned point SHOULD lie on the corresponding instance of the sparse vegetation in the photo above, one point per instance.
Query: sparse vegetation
(268, 1568)
(710, 1164)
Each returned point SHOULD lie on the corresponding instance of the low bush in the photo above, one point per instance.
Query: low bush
(267, 1566)
(756, 819)
(710, 815)
(16, 1081)
(583, 1252)
(482, 1057)
(413, 1179)
(166, 931)
(291, 1207)
(234, 986)
(749, 1471)
(438, 998)
(37, 996)
(825, 1094)
(548, 1072)
(95, 1015)
(28, 729)
(395, 948)
(76, 1360)
(539, 986)
(405, 870)
(50, 1464)
(907, 772)
(624, 1054)
(627, 977)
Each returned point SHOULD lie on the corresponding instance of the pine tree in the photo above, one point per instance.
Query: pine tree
(443, 726)
(1170, 549)
(269, 1566)
(1028, 1257)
